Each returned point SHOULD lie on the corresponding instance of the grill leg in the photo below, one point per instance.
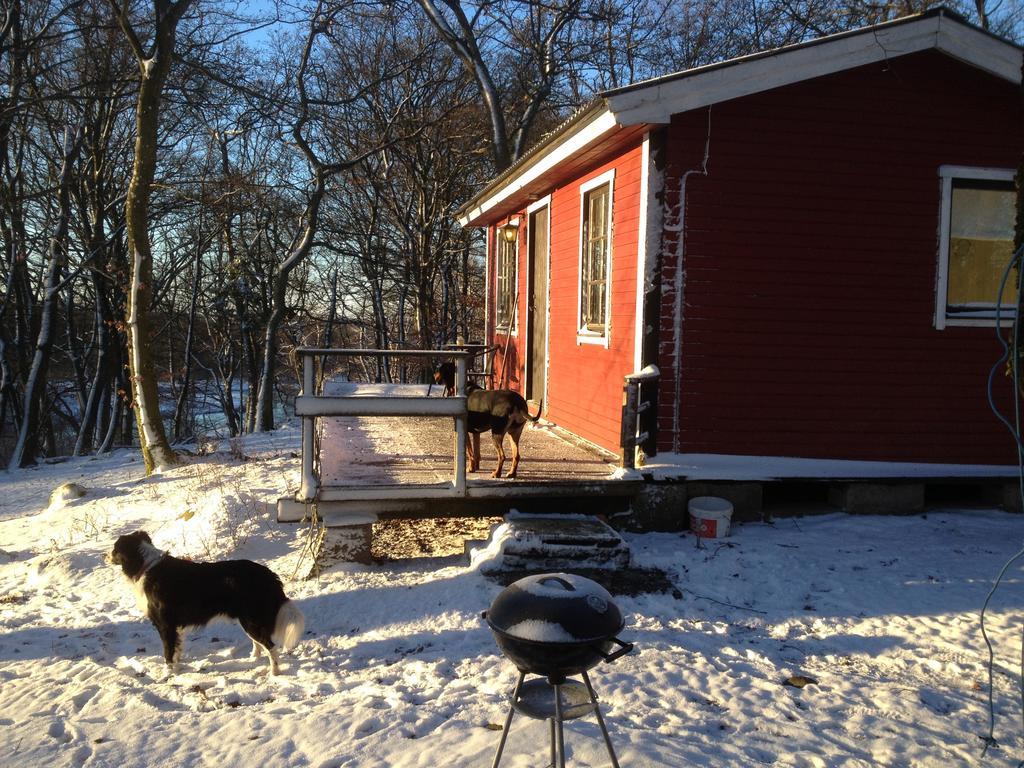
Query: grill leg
(554, 757)
(600, 722)
(508, 720)
(558, 726)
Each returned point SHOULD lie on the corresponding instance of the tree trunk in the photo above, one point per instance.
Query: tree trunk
(310, 219)
(84, 440)
(186, 383)
(332, 312)
(27, 446)
(153, 69)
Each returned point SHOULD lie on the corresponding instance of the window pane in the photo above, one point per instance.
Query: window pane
(596, 305)
(595, 258)
(597, 218)
(980, 242)
(506, 284)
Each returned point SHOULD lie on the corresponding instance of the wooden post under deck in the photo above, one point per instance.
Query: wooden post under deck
(461, 423)
(309, 482)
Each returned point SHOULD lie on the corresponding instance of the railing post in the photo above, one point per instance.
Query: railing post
(633, 434)
(630, 405)
(310, 483)
(461, 423)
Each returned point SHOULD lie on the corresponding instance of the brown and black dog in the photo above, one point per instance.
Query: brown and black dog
(445, 374)
(501, 411)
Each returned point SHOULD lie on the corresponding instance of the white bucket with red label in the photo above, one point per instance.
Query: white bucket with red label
(710, 516)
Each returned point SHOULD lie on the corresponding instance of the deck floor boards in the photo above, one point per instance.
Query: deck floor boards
(367, 451)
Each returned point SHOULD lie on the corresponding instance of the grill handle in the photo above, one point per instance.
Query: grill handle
(567, 586)
(624, 648)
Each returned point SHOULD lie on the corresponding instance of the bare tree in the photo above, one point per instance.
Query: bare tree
(367, 66)
(25, 449)
(498, 31)
(154, 63)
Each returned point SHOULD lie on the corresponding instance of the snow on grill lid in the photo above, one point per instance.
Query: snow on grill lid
(541, 632)
(534, 606)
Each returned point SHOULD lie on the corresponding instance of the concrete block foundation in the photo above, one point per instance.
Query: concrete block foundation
(656, 507)
(877, 498)
(663, 506)
(340, 544)
(1005, 496)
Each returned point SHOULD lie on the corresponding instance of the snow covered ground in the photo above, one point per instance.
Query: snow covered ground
(398, 670)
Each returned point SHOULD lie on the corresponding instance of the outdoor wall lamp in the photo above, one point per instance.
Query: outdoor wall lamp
(509, 232)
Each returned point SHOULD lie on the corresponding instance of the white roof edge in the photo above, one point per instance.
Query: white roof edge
(979, 49)
(577, 138)
(657, 102)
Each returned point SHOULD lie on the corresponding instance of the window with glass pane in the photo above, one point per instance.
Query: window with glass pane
(594, 277)
(506, 285)
(980, 245)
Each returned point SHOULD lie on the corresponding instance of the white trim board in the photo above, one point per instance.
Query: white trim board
(642, 250)
(489, 233)
(544, 202)
(575, 141)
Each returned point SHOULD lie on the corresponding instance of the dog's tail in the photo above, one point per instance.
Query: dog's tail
(540, 410)
(288, 626)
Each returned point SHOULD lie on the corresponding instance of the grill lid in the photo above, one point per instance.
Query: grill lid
(556, 608)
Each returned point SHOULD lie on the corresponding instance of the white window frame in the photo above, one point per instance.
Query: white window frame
(584, 335)
(544, 202)
(947, 173)
(499, 246)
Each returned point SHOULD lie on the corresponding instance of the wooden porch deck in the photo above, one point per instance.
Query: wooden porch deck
(374, 451)
(403, 466)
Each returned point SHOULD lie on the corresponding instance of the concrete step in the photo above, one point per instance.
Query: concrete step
(555, 542)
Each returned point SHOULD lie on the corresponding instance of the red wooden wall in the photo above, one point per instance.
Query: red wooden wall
(810, 268)
(584, 381)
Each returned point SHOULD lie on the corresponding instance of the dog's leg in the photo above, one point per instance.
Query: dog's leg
(275, 668)
(473, 448)
(259, 641)
(515, 432)
(499, 440)
(171, 638)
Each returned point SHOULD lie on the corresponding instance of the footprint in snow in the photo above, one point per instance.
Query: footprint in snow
(366, 727)
(937, 703)
(80, 699)
(58, 732)
(81, 755)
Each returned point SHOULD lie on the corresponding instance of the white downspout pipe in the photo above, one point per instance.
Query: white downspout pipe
(677, 316)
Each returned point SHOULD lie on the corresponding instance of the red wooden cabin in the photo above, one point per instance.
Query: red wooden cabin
(807, 242)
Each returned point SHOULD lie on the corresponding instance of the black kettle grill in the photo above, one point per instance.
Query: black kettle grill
(556, 625)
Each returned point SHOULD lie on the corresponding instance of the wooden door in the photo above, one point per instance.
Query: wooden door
(537, 320)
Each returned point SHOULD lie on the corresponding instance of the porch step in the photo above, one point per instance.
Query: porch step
(553, 542)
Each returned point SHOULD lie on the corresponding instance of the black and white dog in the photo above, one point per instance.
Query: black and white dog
(176, 594)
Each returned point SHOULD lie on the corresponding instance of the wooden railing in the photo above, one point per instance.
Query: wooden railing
(482, 357)
(310, 405)
(633, 407)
